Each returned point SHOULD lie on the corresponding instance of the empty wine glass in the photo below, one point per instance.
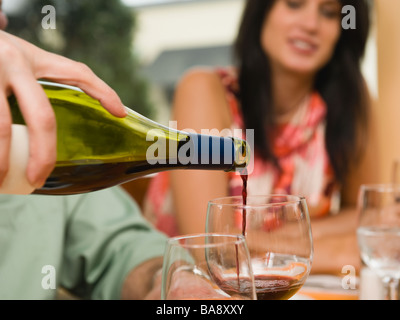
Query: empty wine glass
(278, 234)
(207, 267)
(378, 233)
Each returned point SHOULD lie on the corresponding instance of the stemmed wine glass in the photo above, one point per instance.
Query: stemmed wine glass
(378, 233)
(207, 267)
(278, 234)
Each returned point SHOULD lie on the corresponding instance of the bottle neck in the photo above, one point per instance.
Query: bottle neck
(166, 147)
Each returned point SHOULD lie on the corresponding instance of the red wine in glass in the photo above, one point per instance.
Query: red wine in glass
(268, 287)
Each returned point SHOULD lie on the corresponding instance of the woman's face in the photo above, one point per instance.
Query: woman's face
(300, 35)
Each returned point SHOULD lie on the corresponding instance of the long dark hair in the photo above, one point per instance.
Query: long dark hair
(339, 82)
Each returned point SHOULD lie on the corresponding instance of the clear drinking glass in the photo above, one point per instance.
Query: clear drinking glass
(278, 234)
(378, 233)
(207, 267)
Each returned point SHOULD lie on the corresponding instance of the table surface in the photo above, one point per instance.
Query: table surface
(328, 287)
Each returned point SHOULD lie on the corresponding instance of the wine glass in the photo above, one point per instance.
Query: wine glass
(378, 233)
(278, 234)
(207, 267)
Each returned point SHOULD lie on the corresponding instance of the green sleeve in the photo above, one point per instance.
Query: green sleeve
(105, 238)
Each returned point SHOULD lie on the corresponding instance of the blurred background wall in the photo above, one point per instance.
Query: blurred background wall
(388, 104)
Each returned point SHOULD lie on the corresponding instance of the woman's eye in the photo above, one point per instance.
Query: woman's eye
(330, 9)
(330, 13)
(294, 4)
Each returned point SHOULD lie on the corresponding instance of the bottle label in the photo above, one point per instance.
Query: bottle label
(16, 181)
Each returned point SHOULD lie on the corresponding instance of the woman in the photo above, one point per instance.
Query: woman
(298, 84)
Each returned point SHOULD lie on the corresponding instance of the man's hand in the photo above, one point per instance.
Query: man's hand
(144, 282)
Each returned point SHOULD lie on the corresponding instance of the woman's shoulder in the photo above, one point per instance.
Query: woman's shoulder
(229, 79)
(200, 92)
(208, 78)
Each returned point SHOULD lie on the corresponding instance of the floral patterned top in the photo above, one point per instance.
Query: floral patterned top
(299, 146)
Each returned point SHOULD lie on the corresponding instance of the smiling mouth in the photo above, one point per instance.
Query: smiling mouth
(303, 46)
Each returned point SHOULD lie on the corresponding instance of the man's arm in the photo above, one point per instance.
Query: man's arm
(111, 251)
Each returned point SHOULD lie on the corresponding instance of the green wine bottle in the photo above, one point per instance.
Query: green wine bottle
(96, 150)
